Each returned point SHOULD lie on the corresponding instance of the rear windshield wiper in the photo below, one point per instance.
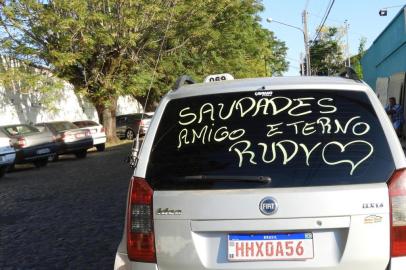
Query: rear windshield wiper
(227, 178)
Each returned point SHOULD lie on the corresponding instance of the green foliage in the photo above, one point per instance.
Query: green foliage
(356, 60)
(326, 53)
(108, 48)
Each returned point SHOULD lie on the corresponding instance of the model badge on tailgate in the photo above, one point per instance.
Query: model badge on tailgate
(168, 212)
(372, 205)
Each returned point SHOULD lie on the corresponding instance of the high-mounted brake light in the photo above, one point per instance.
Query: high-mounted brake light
(140, 231)
(397, 195)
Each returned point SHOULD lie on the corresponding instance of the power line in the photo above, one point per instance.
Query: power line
(323, 21)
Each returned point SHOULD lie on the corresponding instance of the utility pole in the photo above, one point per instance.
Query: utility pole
(306, 41)
(348, 44)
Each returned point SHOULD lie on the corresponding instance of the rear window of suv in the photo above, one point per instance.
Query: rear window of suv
(297, 138)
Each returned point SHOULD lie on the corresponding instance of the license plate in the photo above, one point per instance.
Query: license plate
(270, 247)
(43, 151)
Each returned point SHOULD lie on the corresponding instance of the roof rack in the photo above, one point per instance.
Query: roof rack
(349, 73)
(182, 80)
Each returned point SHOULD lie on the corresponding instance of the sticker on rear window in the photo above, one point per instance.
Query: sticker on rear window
(207, 124)
(294, 137)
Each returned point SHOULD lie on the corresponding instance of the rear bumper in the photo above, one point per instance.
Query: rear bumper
(99, 140)
(398, 263)
(7, 159)
(33, 153)
(123, 263)
(71, 147)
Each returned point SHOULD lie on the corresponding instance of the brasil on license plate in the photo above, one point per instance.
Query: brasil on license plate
(261, 247)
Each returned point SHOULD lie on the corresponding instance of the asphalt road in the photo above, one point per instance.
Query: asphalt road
(68, 215)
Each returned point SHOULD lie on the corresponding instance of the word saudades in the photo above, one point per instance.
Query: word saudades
(250, 107)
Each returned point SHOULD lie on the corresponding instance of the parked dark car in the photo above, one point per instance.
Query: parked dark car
(31, 145)
(69, 138)
(127, 125)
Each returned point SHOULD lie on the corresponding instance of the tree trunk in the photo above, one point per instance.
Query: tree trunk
(151, 104)
(107, 117)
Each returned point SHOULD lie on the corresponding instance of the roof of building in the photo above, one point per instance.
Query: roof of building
(402, 10)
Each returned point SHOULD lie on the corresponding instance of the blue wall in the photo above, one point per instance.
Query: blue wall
(387, 55)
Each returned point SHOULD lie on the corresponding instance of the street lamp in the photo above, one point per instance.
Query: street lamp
(306, 43)
(384, 11)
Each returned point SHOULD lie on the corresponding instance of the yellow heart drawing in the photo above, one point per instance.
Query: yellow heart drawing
(342, 148)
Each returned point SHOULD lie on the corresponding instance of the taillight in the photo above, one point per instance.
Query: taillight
(102, 130)
(21, 142)
(140, 230)
(397, 195)
(142, 123)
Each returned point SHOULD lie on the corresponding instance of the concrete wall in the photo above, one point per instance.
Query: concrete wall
(35, 107)
(387, 55)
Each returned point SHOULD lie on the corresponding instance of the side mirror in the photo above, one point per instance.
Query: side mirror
(133, 157)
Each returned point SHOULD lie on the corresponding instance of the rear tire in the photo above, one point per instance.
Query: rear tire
(81, 154)
(3, 171)
(41, 163)
(129, 134)
(11, 167)
(53, 158)
(100, 147)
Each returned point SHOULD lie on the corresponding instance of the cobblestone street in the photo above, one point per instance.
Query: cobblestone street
(68, 215)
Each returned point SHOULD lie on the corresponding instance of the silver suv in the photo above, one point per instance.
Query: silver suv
(268, 173)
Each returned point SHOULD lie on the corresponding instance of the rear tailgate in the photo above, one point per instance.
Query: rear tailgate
(326, 206)
(39, 138)
(73, 135)
(345, 234)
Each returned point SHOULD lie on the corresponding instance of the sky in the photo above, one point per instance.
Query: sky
(362, 17)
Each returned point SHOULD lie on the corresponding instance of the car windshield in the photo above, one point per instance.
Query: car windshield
(297, 138)
(60, 126)
(20, 130)
(85, 124)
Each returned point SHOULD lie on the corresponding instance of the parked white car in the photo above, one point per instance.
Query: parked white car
(97, 132)
(7, 154)
(292, 173)
(145, 122)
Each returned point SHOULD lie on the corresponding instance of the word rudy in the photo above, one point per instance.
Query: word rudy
(332, 153)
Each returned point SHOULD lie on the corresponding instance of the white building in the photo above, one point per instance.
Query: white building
(62, 104)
